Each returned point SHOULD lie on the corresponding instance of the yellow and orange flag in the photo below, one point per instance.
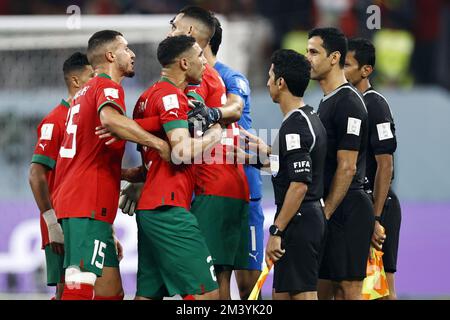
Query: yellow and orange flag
(375, 284)
(262, 278)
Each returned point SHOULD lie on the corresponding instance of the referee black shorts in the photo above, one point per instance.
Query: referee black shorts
(391, 219)
(298, 269)
(349, 234)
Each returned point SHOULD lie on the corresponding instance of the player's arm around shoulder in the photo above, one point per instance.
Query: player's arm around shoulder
(127, 129)
(185, 148)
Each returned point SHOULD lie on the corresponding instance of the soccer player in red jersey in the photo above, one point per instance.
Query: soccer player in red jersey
(88, 176)
(173, 256)
(221, 189)
(77, 72)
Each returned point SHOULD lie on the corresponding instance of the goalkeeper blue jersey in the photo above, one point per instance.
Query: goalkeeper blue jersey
(237, 84)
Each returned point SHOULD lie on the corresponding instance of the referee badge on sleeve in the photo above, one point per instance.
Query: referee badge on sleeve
(292, 141)
(353, 126)
(384, 131)
(274, 164)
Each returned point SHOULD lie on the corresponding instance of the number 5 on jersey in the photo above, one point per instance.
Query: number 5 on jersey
(71, 129)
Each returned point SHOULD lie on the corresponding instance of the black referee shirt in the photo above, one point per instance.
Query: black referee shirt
(298, 154)
(382, 139)
(344, 117)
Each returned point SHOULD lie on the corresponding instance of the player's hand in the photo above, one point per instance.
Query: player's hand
(119, 248)
(103, 133)
(129, 197)
(55, 233)
(200, 117)
(239, 155)
(273, 249)
(164, 151)
(254, 143)
(378, 236)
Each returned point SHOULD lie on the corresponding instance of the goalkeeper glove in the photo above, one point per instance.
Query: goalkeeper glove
(129, 197)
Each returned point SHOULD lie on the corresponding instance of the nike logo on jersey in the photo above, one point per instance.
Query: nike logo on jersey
(42, 146)
(253, 256)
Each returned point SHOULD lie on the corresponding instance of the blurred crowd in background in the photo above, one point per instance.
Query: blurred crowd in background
(413, 43)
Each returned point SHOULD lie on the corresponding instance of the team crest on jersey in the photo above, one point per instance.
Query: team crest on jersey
(111, 92)
(170, 102)
(142, 106)
(47, 131)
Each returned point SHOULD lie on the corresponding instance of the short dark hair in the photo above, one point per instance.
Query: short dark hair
(98, 40)
(216, 39)
(333, 40)
(204, 16)
(171, 48)
(294, 68)
(364, 51)
(76, 62)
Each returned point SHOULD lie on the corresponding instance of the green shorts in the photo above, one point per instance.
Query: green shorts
(89, 244)
(224, 224)
(172, 254)
(55, 266)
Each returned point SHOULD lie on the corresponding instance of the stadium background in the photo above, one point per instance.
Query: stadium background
(413, 46)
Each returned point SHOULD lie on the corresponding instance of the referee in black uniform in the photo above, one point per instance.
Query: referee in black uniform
(348, 208)
(359, 65)
(296, 161)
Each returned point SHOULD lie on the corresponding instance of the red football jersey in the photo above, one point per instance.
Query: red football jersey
(166, 183)
(218, 179)
(89, 172)
(50, 133)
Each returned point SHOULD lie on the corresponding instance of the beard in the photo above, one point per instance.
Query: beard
(129, 74)
(127, 70)
(194, 80)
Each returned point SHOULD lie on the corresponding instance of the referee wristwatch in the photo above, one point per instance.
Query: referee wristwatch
(274, 231)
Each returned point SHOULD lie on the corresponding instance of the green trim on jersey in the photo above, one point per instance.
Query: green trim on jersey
(165, 79)
(110, 102)
(104, 75)
(175, 124)
(196, 96)
(65, 103)
(41, 159)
